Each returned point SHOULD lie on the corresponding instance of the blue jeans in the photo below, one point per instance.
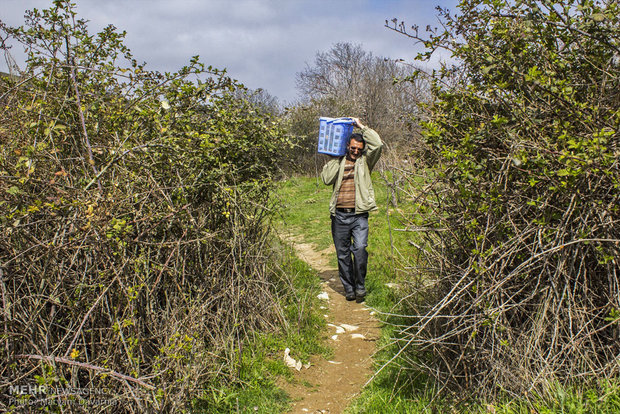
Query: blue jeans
(350, 233)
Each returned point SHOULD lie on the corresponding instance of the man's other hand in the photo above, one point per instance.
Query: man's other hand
(357, 123)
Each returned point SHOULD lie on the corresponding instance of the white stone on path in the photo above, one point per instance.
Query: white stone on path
(323, 296)
(339, 330)
(358, 336)
(349, 328)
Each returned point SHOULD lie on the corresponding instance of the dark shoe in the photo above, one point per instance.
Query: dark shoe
(360, 298)
(350, 296)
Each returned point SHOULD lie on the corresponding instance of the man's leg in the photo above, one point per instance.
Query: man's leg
(341, 233)
(359, 232)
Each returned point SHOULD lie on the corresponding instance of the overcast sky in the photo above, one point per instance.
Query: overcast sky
(261, 43)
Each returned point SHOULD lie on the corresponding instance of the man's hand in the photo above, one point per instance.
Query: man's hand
(357, 123)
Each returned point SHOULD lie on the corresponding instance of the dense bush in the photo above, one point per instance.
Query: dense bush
(133, 219)
(524, 210)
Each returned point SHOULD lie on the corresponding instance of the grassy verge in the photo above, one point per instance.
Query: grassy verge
(261, 364)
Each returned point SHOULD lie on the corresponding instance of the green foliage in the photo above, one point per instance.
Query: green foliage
(135, 215)
(524, 136)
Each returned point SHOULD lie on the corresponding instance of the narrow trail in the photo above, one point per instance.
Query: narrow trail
(328, 386)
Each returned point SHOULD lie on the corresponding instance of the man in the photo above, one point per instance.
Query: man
(353, 197)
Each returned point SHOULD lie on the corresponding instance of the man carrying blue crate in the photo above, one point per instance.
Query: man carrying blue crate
(353, 197)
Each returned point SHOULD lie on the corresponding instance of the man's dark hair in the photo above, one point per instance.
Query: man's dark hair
(359, 138)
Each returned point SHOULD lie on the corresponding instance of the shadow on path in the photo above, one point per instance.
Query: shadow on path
(331, 278)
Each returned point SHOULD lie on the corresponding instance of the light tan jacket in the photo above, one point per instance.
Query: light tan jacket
(364, 193)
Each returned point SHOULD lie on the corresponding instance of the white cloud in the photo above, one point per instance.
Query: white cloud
(262, 43)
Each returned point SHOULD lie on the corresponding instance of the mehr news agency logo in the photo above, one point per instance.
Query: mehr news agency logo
(47, 395)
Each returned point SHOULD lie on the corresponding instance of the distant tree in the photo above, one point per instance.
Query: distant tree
(337, 72)
(349, 81)
(260, 99)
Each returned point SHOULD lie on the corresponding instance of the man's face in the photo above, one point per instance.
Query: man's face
(355, 149)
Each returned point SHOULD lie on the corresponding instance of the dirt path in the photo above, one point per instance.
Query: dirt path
(328, 386)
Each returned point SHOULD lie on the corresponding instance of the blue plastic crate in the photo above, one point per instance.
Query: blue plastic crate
(334, 135)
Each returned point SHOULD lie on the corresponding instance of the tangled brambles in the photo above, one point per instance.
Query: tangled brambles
(134, 221)
(520, 217)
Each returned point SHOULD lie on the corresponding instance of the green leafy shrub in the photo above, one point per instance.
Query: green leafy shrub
(134, 218)
(523, 142)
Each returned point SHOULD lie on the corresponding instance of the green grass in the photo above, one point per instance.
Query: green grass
(261, 364)
(304, 203)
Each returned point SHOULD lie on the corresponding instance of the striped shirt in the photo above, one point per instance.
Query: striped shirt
(346, 195)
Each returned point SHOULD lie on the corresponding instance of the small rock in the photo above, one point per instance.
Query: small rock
(358, 336)
(335, 362)
(335, 337)
(323, 296)
(349, 328)
(339, 330)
